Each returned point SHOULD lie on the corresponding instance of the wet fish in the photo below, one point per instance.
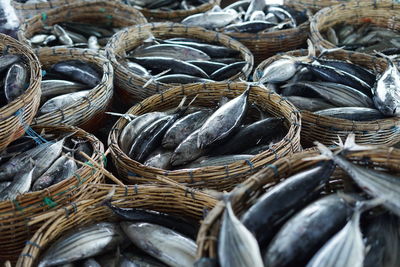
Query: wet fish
(260, 132)
(208, 66)
(181, 79)
(306, 232)
(185, 227)
(83, 243)
(130, 259)
(91, 263)
(162, 243)
(236, 245)
(217, 161)
(69, 169)
(78, 71)
(48, 177)
(20, 185)
(352, 113)
(44, 159)
(228, 71)
(188, 150)
(224, 121)
(4, 185)
(63, 101)
(137, 69)
(179, 52)
(62, 35)
(280, 71)
(310, 104)
(346, 248)
(386, 91)
(210, 20)
(183, 127)
(275, 206)
(51, 88)
(254, 26)
(6, 61)
(214, 51)
(160, 160)
(15, 82)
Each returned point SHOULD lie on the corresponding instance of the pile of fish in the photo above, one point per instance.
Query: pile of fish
(9, 22)
(73, 34)
(32, 164)
(335, 88)
(295, 224)
(190, 137)
(183, 60)
(15, 78)
(144, 238)
(166, 5)
(245, 16)
(66, 83)
(364, 38)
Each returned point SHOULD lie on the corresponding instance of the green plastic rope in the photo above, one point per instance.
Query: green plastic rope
(49, 202)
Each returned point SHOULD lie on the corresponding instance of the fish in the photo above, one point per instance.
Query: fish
(6, 61)
(187, 150)
(48, 177)
(185, 227)
(78, 71)
(386, 91)
(228, 71)
(44, 159)
(279, 71)
(162, 243)
(83, 243)
(51, 88)
(345, 248)
(137, 69)
(160, 160)
(62, 101)
(214, 51)
(135, 127)
(383, 239)
(236, 244)
(20, 185)
(255, 5)
(352, 113)
(224, 121)
(69, 169)
(175, 51)
(160, 64)
(260, 132)
(181, 79)
(211, 20)
(306, 232)
(62, 35)
(130, 259)
(208, 66)
(254, 26)
(15, 82)
(310, 104)
(91, 263)
(93, 43)
(183, 127)
(217, 161)
(277, 205)
(4, 185)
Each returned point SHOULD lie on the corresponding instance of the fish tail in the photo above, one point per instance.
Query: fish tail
(388, 58)
(350, 144)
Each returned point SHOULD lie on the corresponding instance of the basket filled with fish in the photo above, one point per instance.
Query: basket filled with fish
(339, 207)
(211, 135)
(41, 171)
(264, 29)
(338, 92)
(83, 24)
(142, 225)
(20, 88)
(151, 58)
(361, 26)
(316, 5)
(77, 87)
(170, 10)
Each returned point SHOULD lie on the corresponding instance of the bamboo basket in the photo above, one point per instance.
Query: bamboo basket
(327, 129)
(18, 114)
(264, 45)
(217, 177)
(379, 13)
(163, 198)
(15, 216)
(89, 112)
(246, 193)
(95, 12)
(316, 5)
(129, 86)
(157, 15)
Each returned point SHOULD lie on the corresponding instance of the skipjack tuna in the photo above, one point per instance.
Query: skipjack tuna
(335, 88)
(144, 238)
(191, 137)
(15, 77)
(73, 34)
(67, 83)
(28, 166)
(295, 223)
(248, 17)
(166, 5)
(183, 60)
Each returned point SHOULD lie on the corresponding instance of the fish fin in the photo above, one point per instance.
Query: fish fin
(326, 153)
(128, 117)
(350, 144)
(107, 199)
(388, 58)
(325, 51)
(359, 204)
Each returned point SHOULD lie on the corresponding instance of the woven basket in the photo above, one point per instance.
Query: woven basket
(103, 12)
(247, 192)
(169, 199)
(327, 129)
(15, 225)
(26, 11)
(316, 5)
(380, 13)
(264, 45)
(157, 15)
(89, 112)
(130, 86)
(18, 114)
(218, 177)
